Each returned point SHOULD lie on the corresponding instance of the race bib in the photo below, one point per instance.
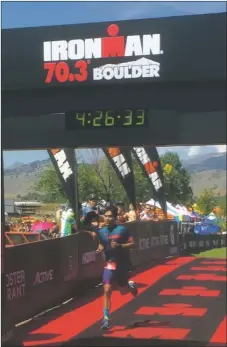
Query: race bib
(110, 266)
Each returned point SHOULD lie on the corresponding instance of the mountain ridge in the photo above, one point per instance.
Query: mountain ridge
(207, 171)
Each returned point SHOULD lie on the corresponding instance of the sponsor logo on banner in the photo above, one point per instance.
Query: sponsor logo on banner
(62, 163)
(172, 235)
(215, 243)
(201, 244)
(173, 249)
(120, 161)
(57, 54)
(192, 244)
(149, 242)
(88, 257)
(207, 243)
(15, 284)
(222, 241)
(149, 166)
(44, 276)
(72, 271)
(7, 336)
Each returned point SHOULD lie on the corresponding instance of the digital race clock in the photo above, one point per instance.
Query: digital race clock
(106, 119)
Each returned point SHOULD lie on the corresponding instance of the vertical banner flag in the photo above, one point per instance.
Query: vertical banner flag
(150, 163)
(2, 213)
(63, 160)
(121, 161)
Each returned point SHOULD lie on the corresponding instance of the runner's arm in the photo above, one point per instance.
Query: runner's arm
(100, 248)
(100, 245)
(129, 240)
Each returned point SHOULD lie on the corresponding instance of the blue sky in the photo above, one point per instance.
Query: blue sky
(28, 14)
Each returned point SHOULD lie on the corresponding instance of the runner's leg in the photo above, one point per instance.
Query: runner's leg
(124, 284)
(108, 278)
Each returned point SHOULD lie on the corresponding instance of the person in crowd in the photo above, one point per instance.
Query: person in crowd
(131, 214)
(147, 213)
(54, 232)
(90, 207)
(121, 215)
(69, 224)
(139, 209)
(115, 241)
(91, 223)
(63, 212)
(6, 227)
(155, 214)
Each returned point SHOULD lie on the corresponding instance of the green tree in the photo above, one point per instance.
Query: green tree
(221, 201)
(49, 186)
(206, 202)
(99, 178)
(176, 180)
(32, 195)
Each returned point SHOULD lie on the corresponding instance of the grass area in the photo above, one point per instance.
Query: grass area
(213, 253)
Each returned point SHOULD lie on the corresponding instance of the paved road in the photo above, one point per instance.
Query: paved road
(181, 300)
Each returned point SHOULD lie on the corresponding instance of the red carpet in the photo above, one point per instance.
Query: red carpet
(175, 302)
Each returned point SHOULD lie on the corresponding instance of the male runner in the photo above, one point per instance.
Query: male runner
(115, 241)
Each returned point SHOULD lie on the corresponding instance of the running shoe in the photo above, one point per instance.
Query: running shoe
(105, 324)
(132, 287)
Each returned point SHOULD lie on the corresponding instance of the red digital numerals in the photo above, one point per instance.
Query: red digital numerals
(61, 72)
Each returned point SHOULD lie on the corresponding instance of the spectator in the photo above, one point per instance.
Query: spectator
(54, 231)
(121, 215)
(69, 224)
(147, 213)
(90, 207)
(131, 215)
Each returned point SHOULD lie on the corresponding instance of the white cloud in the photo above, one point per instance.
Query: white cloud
(186, 152)
(194, 150)
(221, 148)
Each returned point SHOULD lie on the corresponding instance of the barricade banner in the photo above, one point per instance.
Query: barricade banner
(196, 243)
(185, 227)
(154, 240)
(34, 276)
(90, 263)
(223, 240)
(43, 274)
(69, 265)
(172, 230)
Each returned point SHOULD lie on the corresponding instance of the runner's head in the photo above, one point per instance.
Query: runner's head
(110, 216)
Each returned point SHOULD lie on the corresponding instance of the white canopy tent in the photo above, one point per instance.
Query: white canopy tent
(176, 212)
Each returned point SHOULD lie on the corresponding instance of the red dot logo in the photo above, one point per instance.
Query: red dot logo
(113, 30)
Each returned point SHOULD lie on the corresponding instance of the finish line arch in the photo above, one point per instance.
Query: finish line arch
(163, 84)
(144, 82)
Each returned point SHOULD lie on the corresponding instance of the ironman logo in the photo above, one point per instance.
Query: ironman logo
(59, 55)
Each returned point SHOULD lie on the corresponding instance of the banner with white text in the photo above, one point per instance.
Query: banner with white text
(150, 163)
(121, 161)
